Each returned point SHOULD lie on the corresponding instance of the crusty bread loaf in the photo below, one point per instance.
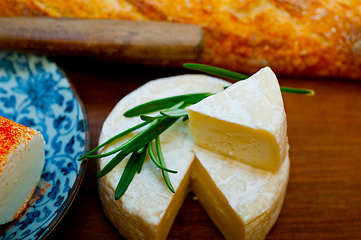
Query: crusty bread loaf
(293, 37)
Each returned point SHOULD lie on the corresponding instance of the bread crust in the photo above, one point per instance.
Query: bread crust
(293, 37)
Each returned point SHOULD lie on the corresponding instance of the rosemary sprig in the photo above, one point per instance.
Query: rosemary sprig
(219, 72)
(162, 162)
(157, 127)
(129, 130)
(174, 113)
(165, 103)
(156, 161)
(129, 172)
(303, 91)
(143, 152)
(170, 110)
(161, 115)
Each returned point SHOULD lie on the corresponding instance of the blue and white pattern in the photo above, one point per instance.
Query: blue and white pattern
(35, 93)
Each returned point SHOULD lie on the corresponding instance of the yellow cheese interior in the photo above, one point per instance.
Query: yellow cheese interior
(215, 203)
(173, 208)
(257, 148)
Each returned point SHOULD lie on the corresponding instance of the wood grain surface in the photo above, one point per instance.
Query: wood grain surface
(323, 198)
(119, 40)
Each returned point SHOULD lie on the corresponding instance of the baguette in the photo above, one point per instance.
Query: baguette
(295, 38)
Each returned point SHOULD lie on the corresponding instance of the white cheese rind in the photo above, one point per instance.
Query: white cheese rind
(139, 213)
(20, 176)
(254, 114)
(254, 194)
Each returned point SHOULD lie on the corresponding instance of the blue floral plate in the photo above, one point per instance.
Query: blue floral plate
(35, 93)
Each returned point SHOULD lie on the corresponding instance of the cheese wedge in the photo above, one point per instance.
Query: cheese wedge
(244, 202)
(246, 122)
(147, 209)
(21, 164)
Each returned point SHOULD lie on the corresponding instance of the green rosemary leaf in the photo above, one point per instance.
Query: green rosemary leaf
(219, 72)
(172, 113)
(127, 176)
(304, 91)
(110, 152)
(140, 150)
(160, 116)
(185, 118)
(155, 129)
(155, 160)
(162, 162)
(176, 106)
(114, 138)
(112, 163)
(151, 118)
(142, 158)
(160, 104)
(197, 98)
(115, 150)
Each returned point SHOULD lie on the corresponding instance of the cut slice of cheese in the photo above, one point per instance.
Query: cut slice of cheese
(246, 122)
(147, 209)
(243, 201)
(21, 164)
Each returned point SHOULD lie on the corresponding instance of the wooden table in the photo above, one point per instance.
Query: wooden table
(323, 198)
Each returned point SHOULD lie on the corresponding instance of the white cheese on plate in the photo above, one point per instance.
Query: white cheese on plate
(21, 164)
(147, 209)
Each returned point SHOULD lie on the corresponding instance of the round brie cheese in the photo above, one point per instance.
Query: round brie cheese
(242, 200)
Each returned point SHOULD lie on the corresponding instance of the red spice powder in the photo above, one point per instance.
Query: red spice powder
(11, 135)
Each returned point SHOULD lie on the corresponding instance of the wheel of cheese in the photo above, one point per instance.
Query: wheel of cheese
(243, 201)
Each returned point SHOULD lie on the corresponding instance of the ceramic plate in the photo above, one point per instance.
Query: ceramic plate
(35, 93)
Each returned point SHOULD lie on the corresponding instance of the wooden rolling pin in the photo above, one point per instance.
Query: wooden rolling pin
(101, 38)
